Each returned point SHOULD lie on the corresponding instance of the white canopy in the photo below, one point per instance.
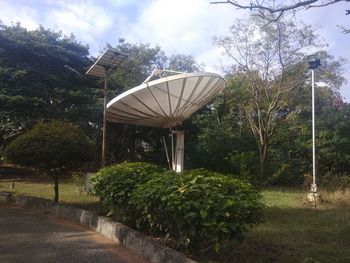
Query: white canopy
(165, 102)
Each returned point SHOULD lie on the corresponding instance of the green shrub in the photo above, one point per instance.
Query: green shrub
(199, 209)
(114, 184)
(333, 182)
(52, 147)
(286, 175)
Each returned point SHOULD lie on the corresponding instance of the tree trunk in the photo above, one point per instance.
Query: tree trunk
(262, 155)
(55, 177)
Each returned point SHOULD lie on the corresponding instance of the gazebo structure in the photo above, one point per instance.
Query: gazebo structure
(166, 102)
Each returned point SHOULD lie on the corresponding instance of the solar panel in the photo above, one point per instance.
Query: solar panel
(109, 61)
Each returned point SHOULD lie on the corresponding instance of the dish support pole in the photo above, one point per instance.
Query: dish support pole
(178, 152)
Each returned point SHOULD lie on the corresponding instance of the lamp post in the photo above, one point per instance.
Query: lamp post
(314, 62)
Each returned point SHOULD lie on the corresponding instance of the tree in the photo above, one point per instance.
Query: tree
(270, 68)
(51, 147)
(290, 159)
(265, 9)
(219, 139)
(35, 85)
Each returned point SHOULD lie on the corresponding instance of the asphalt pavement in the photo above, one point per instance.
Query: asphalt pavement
(28, 236)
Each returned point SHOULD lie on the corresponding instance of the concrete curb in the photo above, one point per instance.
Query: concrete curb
(5, 197)
(133, 240)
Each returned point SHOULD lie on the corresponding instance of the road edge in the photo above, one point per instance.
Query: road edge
(131, 239)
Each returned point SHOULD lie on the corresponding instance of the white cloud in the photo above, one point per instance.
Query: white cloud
(186, 27)
(86, 20)
(181, 26)
(14, 12)
(214, 59)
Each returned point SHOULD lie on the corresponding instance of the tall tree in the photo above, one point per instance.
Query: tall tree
(290, 160)
(269, 64)
(35, 85)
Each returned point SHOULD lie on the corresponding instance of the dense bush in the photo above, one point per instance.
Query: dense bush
(334, 182)
(199, 209)
(285, 174)
(114, 184)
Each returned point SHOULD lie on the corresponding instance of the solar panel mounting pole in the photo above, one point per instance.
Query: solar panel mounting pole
(103, 66)
(104, 127)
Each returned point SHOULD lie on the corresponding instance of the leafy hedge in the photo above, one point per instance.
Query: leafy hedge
(114, 184)
(198, 209)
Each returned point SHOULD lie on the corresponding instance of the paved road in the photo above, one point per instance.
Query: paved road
(27, 236)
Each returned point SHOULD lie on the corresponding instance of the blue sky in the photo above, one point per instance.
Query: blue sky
(178, 26)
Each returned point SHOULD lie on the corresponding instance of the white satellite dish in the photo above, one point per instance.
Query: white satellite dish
(166, 103)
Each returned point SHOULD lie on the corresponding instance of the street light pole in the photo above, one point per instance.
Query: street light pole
(314, 62)
(313, 185)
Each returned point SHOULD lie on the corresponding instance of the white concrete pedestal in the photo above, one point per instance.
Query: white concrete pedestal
(178, 154)
(313, 197)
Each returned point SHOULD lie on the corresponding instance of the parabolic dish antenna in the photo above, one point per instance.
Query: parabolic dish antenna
(166, 103)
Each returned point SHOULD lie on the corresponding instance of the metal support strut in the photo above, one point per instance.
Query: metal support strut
(104, 127)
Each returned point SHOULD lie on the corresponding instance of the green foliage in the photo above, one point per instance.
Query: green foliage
(35, 85)
(218, 139)
(286, 174)
(199, 209)
(52, 145)
(334, 182)
(114, 184)
(247, 163)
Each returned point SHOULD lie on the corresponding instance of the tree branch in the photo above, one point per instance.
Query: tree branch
(300, 4)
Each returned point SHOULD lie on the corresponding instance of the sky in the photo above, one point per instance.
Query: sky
(178, 26)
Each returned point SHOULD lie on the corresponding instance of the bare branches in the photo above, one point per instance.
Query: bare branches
(344, 30)
(258, 5)
(272, 12)
(326, 4)
(270, 64)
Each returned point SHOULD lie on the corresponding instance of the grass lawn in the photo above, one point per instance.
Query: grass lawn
(293, 231)
(70, 189)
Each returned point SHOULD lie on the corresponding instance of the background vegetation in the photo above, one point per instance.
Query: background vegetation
(258, 130)
(35, 85)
